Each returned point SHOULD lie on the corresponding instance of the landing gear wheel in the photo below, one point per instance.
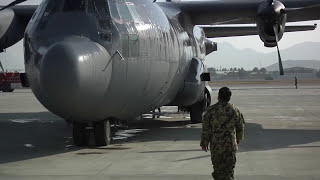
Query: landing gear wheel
(196, 111)
(80, 136)
(207, 100)
(7, 88)
(102, 133)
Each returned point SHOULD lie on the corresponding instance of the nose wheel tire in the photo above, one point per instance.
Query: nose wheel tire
(102, 133)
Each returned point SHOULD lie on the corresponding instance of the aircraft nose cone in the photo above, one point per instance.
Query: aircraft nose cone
(74, 77)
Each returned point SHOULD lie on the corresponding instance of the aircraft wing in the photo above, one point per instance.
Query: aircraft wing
(227, 31)
(241, 11)
(270, 17)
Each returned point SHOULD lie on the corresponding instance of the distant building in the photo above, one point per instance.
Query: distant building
(225, 72)
(301, 73)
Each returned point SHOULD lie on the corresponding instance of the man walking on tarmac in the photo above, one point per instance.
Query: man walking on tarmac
(296, 82)
(223, 129)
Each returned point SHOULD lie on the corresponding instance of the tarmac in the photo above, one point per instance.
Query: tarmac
(282, 141)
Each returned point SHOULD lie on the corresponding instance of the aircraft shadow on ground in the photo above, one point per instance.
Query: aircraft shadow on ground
(31, 135)
(256, 137)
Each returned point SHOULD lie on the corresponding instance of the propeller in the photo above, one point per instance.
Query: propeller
(12, 4)
(275, 29)
(289, 10)
(2, 68)
(273, 13)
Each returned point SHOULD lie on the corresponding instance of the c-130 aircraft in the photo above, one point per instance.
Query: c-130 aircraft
(94, 62)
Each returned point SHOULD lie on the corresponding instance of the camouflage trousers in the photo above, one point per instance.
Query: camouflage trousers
(223, 164)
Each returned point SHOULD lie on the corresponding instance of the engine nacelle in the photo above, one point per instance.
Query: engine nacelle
(270, 15)
(210, 46)
(11, 29)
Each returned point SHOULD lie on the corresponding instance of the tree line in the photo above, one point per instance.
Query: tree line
(242, 73)
(318, 73)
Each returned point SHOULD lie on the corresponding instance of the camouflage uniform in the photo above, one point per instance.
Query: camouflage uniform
(223, 124)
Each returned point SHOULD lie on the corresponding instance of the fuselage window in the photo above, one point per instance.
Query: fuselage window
(133, 12)
(134, 45)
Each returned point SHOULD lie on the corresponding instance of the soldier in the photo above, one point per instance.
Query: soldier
(296, 82)
(223, 127)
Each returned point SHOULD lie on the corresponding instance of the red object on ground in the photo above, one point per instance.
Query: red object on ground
(6, 79)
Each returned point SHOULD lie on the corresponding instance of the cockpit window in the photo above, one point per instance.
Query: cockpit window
(124, 12)
(54, 6)
(133, 12)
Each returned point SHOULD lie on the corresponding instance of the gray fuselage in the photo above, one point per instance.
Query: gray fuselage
(110, 59)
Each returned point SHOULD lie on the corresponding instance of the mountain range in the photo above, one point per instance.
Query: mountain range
(229, 56)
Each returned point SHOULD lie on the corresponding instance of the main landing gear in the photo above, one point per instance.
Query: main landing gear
(101, 131)
(197, 109)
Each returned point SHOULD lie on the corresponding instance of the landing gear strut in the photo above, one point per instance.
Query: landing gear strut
(101, 130)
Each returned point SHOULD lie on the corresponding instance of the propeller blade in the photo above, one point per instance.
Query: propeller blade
(279, 56)
(12, 4)
(289, 10)
(2, 67)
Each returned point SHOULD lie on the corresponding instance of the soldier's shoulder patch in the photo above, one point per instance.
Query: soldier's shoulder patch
(234, 107)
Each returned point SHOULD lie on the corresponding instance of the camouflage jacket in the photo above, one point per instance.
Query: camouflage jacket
(223, 124)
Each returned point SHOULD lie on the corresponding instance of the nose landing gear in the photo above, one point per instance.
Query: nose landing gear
(101, 131)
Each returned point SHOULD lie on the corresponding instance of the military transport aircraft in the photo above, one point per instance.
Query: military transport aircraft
(94, 62)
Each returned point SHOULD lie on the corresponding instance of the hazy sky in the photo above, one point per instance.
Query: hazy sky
(252, 42)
